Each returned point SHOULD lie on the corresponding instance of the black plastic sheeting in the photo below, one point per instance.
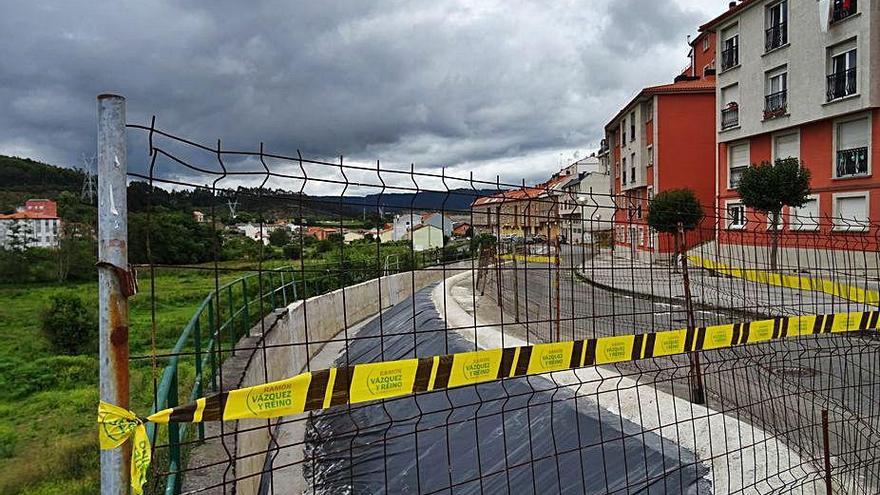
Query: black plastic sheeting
(373, 448)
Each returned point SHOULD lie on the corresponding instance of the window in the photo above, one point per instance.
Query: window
(806, 218)
(650, 156)
(623, 134)
(851, 212)
(632, 126)
(776, 101)
(730, 49)
(624, 171)
(736, 216)
(617, 170)
(786, 146)
(776, 22)
(738, 161)
(632, 170)
(843, 9)
(853, 142)
(706, 44)
(730, 106)
(842, 78)
(650, 193)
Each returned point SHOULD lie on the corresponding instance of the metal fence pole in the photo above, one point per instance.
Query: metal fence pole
(112, 304)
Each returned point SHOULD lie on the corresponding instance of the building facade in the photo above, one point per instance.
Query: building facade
(36, 224)
(664, 139)
(796, 81)
(587, 207)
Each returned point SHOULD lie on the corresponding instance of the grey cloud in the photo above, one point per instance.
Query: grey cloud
(443, 83)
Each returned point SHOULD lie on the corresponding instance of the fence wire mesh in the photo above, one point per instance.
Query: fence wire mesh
(381, 263)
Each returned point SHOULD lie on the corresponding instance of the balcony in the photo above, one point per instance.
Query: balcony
(775, 105)
(843, 9)
(730, 58)
(776, 36)
(842, 84)
(730, 117)
(852, 162)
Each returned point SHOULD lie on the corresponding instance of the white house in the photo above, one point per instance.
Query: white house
(425, 237)
(36, 224)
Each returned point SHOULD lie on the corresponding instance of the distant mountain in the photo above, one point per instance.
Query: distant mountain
(456, 200)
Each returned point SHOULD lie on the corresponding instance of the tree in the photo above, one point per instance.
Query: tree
(769, 187)
(279, 237)
(69, 325)
(672, 208)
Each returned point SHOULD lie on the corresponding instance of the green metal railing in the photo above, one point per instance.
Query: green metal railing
(228, 313)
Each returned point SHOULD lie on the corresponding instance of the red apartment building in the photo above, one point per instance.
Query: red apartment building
(661, 140)
(796, 80)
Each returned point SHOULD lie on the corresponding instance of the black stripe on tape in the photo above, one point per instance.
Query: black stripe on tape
(590, 359)
(829, 321)
(649, 345)
(444, 368)
(777, 328)
(866, 318)
(745, 333)
(423, 375)
(689, 339)
(637, 347)
(817, 325)
(317, 390)
(576, 353)
(183, 414)
(341, 386)
(701, 338)
(522, 364)
(783, 332)
(506, 362)
(734, 339)
(214, 406)
(874, 317)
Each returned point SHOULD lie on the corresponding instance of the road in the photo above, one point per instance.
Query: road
(781, 387)
(520, 436)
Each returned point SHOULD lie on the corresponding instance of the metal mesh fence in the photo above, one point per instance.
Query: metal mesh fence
(458, 265)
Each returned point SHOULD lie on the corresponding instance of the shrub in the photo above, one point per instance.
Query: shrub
(292, 251)
(69, 325)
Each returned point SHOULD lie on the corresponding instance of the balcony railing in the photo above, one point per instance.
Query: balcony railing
(776, 36)
(730, 58)
(775, 104)
(852, 162)
(842, 84)
(843, 9)
(729, 117)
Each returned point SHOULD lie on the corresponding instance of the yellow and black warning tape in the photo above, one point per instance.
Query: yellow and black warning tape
(316, 390)
(530, 258)
(814, 284)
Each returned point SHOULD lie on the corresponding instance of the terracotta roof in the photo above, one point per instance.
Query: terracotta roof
(744, 4)
(24, 215)
(702, 85)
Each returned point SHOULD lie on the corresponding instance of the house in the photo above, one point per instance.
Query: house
(425, 237)
(198, 216)
(322, 233)
(351, 235)
(587, 207)
(36, 224)
(461, 229)
(797, 79)
(439, 220)
(403, 223)
(664, 139)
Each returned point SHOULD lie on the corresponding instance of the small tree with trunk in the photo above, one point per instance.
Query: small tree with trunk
(672, 208)
(769, 187)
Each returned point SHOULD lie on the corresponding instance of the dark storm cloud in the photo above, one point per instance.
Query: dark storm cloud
(473, 86)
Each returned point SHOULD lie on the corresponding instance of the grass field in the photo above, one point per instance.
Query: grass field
(48, 402)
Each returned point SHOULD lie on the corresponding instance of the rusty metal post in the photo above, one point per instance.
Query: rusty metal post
(827, 446)
(698, 394)
(112, 304)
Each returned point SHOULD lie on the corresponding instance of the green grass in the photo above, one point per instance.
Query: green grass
(48, 441)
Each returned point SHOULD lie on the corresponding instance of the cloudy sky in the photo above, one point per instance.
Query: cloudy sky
(494, 87)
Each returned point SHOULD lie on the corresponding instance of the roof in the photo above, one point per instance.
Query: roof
(685, 86)
(25, 215)
(424, 226)
(742, 5)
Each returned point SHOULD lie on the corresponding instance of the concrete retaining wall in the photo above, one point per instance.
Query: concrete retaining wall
(299, 336)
